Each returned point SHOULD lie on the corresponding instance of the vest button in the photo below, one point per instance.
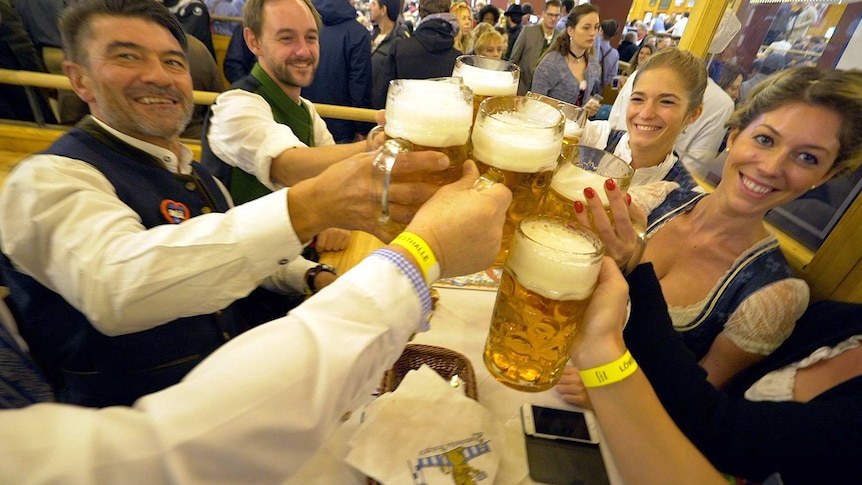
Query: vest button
(205, 210)
(191, 186)
(283, 262)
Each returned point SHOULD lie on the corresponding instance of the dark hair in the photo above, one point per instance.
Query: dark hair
(633, 62)
(527, 8)
(393, 8)
(553, 3)
(77, 18)
(610, 28)
(252, 15)
(489, 9)
(837, 90)
(568, 5)
(428, 7)
(728, 74)
(561, 43)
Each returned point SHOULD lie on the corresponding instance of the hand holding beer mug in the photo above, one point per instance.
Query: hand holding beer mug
(547, 281)
(517, 140)
(426, 114)
(584, 167)
(487, 77)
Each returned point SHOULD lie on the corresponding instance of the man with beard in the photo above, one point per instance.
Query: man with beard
(126, 264)
(261, 135)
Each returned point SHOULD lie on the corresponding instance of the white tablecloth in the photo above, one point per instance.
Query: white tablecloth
(460, 323)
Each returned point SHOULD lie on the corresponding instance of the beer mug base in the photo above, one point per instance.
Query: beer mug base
(519, 378)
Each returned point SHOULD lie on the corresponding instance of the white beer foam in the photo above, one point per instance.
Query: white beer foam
(516, 142)
(430, 113)
(573, 129)
(486, 82)
(544, 263)
(570, 181)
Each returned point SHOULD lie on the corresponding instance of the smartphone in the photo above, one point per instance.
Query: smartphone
(559, 424)
(615, 82)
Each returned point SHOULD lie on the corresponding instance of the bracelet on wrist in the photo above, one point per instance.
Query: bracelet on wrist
(419, 249)
(610, 373)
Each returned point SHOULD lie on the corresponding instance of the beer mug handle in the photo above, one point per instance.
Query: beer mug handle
(383, 163)
(488, 179)
(373, 133)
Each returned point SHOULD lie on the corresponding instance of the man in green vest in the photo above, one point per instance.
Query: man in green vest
(261, 135)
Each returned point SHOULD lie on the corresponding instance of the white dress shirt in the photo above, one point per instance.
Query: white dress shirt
(252, 412)
(244, 134)
(62, 223)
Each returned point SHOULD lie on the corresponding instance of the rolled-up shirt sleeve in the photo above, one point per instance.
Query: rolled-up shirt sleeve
(244, 134)
(62, 223)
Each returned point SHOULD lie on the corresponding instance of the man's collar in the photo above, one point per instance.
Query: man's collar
(166, 156)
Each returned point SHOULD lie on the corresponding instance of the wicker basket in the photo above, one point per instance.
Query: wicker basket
(446, 362)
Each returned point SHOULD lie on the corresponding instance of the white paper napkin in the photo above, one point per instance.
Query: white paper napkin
(427, 432)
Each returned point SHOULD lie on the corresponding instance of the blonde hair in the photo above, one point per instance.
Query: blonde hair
(464, 40)
(486, 39)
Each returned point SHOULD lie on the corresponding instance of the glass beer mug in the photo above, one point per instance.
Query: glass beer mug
(583, 167)
(517, 140)
(487, 77)
(431, 114)
(547, 282)
(576, 119)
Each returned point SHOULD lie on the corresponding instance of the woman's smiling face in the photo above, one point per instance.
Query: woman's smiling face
(658, 110)
(780, 155)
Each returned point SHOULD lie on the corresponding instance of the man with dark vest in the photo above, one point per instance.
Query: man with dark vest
(260, 134)
(126, 262)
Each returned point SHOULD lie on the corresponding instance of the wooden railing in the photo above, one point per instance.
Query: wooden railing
(54, 81)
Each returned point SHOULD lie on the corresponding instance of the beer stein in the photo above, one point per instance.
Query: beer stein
(584, 167)
(487, 77)
(576, 118)
(431, 114)
(549, 276)
(517, 140)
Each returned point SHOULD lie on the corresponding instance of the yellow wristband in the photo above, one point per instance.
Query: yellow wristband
(420, 250)
(609, 373)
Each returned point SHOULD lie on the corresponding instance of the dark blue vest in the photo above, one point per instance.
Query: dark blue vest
(83, 365)
(758, 267)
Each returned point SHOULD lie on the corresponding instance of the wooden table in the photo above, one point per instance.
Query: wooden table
(361, 245)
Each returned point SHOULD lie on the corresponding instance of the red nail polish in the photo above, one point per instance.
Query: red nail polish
(579, 206)
(610, 184)
(589, 192)
(628, 199)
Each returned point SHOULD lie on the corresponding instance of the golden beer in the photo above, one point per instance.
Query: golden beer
(520, 139)
(584, 167)
(432, 115)
(548, 279)
(487, 77)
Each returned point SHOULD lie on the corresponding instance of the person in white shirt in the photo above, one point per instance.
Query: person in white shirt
(123, 255)
(260, 406)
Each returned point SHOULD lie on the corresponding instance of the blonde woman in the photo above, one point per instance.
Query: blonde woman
(490, 44)
(464, 39)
